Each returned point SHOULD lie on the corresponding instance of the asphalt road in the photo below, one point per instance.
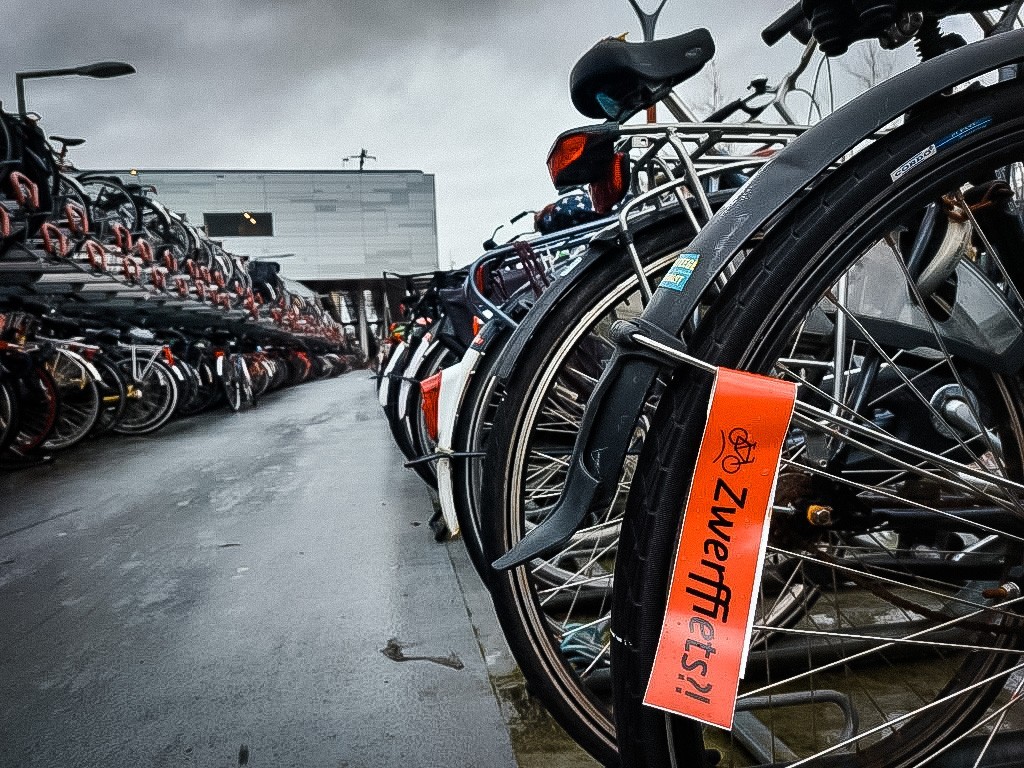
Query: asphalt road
(241, 589)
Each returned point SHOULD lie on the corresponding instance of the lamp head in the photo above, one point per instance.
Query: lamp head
(104, 69)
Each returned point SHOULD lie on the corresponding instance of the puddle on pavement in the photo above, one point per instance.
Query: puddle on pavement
(537, 740)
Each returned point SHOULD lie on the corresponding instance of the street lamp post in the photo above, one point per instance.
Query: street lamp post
(101, 69)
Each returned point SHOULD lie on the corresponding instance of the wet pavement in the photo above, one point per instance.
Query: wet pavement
(257, 589)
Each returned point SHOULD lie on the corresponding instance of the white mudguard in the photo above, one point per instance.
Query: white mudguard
(454, 383)
(409, 377)
(385, 383)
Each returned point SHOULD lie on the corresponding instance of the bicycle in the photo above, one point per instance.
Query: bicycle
(898, 490)
(554, 609)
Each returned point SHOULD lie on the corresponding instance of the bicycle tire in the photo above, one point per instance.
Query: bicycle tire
(78, 400)
(846, 224)
(473, 424)
(9, 415)
(113, 396)
(414, 423)
(210, 390)
(152, 396)
(233, 383)
(397, 426)
(531, 622)
(38, 401)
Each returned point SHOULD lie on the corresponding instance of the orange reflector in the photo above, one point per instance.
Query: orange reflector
(604, 194)
(430, 391)
(168, 356)
(703, 645)
(477, 325)
(567, 150)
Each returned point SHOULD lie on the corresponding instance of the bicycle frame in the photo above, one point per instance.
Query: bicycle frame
(651, 343)
(137, 374)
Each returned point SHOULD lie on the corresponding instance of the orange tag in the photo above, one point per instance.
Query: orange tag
(703, 646)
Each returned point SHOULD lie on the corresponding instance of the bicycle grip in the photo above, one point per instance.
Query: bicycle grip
(783, 25)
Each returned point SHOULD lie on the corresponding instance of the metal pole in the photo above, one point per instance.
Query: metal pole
(648, 20)
(103, 69)
(21, 77)
(647, 23)
(364, 341)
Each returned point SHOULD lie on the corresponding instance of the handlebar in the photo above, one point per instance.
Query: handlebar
(789, 22)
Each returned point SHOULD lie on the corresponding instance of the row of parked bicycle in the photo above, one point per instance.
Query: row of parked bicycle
(117, 314)
(556, 394)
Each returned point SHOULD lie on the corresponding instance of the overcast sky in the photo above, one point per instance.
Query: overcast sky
(473, 91)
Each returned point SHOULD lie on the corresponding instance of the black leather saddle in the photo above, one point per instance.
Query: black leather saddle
(616, 79)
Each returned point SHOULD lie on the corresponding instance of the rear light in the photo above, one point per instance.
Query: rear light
(609, 190)
(567, 150)
(169, 356)
(430, 391)
(480, 280)
(582, 155)
(477, 325)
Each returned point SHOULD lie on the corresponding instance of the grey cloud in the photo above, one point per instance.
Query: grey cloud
(473, 91)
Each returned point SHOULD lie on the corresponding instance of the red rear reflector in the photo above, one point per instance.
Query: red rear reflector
(567, 150)
(430, 390)
(606, 193)
(168, 356)
(477, 325)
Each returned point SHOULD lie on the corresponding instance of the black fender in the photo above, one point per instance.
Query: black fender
(613, 408)
(605, 241)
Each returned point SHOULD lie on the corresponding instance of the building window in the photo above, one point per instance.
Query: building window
(244, 224)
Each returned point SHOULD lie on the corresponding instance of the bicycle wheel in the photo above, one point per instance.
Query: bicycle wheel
(78, 399)
(472, 428)
(38, 400)
(152, 394)
(899, 501)
(554, 610)
(414, 423)
(110, 203)
(392, 395)
(8, 415)
(209, 390)
(113, 396)
(234, 381)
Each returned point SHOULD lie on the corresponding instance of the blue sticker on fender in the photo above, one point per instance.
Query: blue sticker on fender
(933, 149)
(679, 275)
(963, 133)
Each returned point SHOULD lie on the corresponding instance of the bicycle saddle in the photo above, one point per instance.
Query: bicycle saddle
(616, 79)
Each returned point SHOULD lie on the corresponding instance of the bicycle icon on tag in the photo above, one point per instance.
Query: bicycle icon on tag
(740, 450)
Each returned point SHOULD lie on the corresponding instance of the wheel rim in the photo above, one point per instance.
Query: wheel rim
(899, 504)
(564, 600)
